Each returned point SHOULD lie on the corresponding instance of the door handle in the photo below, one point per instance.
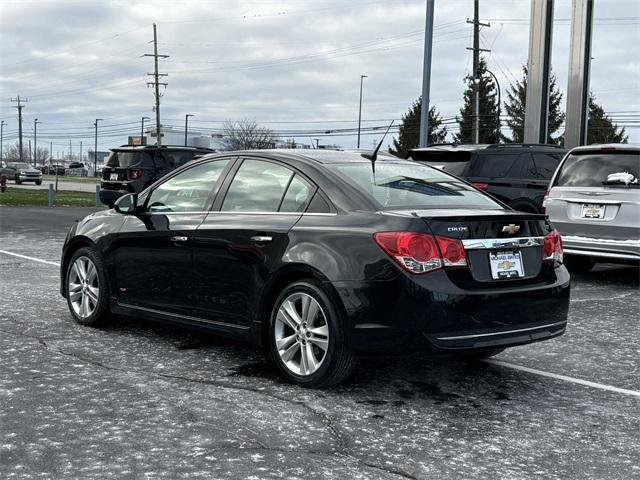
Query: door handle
(179, 239)
(261, 239)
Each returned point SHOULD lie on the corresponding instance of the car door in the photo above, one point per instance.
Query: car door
(153, 254)
(243, 240)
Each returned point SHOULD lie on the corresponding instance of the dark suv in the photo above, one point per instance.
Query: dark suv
(131, 169)
(517, 174)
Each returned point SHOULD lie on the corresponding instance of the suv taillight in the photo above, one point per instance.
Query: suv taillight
(422, 253)
(552, 248)
(135, 173)
(480, 185)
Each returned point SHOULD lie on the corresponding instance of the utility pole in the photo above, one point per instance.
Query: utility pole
(156, 80)
(426, 76)
(80, 156)
(475, 111)
(35, 141)
(95, 148)
(186, 126)
(30, 154)
(362, 77)
(19, 107)
(50, 152)
(2, 124)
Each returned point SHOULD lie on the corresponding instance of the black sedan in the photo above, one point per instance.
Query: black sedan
(322, 257)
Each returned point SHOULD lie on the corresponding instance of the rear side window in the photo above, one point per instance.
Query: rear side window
(595, 169)
(452, 162)
(297, 196)
(495, 166)
(541, 166)
(412, 185)
(258, 186)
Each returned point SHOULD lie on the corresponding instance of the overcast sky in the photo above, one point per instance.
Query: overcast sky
(293, 66)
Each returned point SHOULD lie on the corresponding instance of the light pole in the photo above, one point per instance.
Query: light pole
(2, 124)
(362, 77)
(498, 87)
(142, 128)
(35, 141)
(95, 149)
(186, 126)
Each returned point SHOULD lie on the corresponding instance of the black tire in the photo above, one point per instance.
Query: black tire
(100, 314)
(38, 182)
(579, 263)
(18, 181)
(481, 355)
(339, 361)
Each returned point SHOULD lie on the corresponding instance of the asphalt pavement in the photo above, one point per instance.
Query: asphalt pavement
(143, 400)
(62, 185)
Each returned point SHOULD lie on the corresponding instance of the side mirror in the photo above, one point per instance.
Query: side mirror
(127, 204)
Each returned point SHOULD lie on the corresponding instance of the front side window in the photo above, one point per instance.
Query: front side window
(412, 185)
(188, 191)
(258, 186)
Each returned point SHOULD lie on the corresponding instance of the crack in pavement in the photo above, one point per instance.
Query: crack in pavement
(341, 449)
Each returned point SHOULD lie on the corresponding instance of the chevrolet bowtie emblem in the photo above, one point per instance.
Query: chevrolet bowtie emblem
(511, 228)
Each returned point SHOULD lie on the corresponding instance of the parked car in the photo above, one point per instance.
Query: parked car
(55, 169)
(23, 172)
(322, 260)
(594, 201)
(130, 169)
(517, 174)
(77, 169)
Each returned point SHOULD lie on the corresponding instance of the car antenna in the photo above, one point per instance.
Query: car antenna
(374, 156)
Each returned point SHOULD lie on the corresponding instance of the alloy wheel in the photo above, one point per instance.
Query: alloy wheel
(83, 287)
(301, 334)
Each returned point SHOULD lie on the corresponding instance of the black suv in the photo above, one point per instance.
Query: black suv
(517, 174)
(131, 169)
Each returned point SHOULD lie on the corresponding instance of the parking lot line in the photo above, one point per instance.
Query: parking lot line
(34, 259)
(564, 378)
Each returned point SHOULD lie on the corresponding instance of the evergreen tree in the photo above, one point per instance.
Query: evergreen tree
(515, 106)
(489, 128)
(409, 132)
(600, 128)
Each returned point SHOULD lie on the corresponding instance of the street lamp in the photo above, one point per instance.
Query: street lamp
(35, 141)
(498, 87)
(2, 124)
(186, 126)
(142, 128)
(95, 149)
(362, 77)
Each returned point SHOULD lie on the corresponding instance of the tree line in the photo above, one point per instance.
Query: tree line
(600, 128)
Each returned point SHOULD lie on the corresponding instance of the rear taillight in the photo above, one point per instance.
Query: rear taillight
(420, 252)
(544, 201)
(136, 173)
(552, 248)
(480, 186)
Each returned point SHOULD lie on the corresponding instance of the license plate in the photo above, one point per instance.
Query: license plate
(113, 176)
(592, 211)
(506, 265)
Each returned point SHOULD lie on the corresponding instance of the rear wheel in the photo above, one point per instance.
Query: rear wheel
(307, 338)
(579, 263)
(87, 288)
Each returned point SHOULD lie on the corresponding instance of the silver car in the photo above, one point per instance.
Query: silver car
(594, 202)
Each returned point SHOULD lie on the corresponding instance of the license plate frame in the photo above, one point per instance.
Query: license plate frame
(506, 264)
(113, 177)
(592, 211)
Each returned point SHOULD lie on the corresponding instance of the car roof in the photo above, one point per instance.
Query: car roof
(316, 155)
(160, 147)
(625, 147)
(486, 148)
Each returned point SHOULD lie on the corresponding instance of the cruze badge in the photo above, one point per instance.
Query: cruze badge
(457, 229)
(511, 228)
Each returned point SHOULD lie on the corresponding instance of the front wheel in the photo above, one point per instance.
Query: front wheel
(307, 338)
(18, 181)
(38, 182)
(87, 288)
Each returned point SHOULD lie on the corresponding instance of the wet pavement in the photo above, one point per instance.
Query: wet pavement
(143, 400)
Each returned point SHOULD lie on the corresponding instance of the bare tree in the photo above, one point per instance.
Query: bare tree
(246, 135)
(12, 154)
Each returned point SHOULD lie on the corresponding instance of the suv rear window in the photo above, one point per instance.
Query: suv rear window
(591, 169)
(412, 185)
(122, 159)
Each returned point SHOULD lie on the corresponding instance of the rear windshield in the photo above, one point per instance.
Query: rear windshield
(595, 169)
(412, 185)
(453, 162)
(122, 159)
(20, 165)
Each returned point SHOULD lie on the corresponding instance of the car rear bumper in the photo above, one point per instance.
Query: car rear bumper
(438, 316)
(602, 248)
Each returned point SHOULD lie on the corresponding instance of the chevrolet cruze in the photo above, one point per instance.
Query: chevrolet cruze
(322, 257)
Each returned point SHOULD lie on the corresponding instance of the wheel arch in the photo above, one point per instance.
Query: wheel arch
(75, 244)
